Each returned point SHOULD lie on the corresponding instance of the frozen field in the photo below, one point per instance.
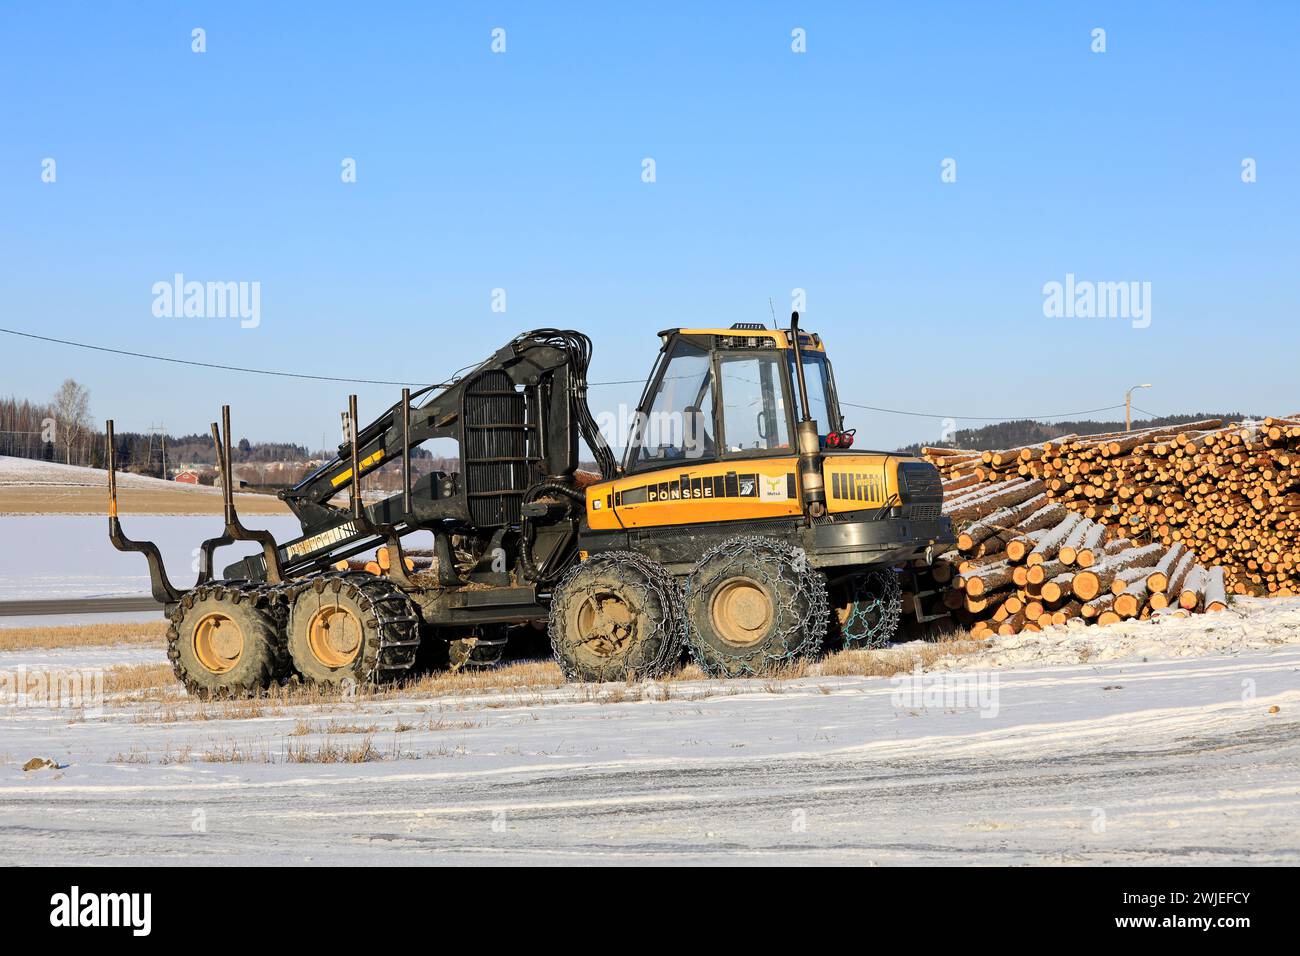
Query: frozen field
(1182, 746)
(53, 474)
(56, 556)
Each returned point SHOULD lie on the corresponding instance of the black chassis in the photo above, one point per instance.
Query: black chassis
(836, 544)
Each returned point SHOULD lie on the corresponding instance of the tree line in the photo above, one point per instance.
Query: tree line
(1016, 434)
(62, 430)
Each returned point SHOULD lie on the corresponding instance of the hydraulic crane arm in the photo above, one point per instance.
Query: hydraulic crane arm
(515, 419)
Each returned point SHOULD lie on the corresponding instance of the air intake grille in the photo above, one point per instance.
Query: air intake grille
(920, 482)
(495, 449)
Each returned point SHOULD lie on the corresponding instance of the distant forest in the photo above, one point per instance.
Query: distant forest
(1002, 435)
(31, 430)
(40, 432)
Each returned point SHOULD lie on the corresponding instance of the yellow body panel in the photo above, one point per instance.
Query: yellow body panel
(737, 490)
(363, 465)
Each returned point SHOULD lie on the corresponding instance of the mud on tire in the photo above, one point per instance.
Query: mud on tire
(754, 603)
(225, 641)
(616, 616)
(348, 629)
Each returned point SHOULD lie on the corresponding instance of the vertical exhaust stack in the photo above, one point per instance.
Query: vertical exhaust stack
(812, 484)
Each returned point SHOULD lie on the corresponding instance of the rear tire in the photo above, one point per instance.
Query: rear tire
(616, 616)
(869, 609)
(754, 603)
(349, 629)
(225, 642)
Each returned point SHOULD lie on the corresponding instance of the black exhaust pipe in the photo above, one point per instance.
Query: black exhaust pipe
(811, 481)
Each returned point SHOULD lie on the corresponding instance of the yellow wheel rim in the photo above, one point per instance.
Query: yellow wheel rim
(334, 636)
(741, 611)
(218, 642)
(604, 624)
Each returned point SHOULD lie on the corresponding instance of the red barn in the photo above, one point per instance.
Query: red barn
(187, 477)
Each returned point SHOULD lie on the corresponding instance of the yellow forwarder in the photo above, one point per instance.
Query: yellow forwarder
(742, 525)
(757, 504)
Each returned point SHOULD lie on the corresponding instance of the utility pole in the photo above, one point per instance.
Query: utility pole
(1128, 406)
(161, 431)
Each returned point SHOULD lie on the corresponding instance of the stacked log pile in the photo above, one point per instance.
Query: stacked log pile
(1228, 494)
(1025, 561)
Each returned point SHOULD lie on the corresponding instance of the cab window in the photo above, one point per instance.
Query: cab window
(754, 413)
(816, 374)
(679, 423)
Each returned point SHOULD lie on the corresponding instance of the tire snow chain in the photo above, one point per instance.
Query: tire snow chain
(801, 639)
(888, 602)
(398, 622)
(658, 582)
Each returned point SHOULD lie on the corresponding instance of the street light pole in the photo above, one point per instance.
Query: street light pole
(1128, 406)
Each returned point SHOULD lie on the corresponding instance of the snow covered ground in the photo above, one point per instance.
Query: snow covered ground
(25, 471)
(1180, 744)
(55, 556)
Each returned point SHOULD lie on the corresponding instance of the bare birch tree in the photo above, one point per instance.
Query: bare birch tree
(72, 414)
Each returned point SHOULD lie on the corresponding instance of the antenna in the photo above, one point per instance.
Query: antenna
(772, 309)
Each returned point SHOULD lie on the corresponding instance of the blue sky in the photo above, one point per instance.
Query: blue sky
(774, 170)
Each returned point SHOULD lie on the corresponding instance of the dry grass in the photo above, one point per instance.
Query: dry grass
(517, 685)
(76, 500)
(155, 682)
(893, 660)
(304, 728)
(83, 635)
(135, 679)
(230, 751)
(331, 752)
(518, 675)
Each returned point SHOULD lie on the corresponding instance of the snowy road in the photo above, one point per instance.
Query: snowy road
(1175, 761)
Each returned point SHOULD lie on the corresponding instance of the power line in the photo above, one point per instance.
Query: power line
(226, 368)
(630, 381)
(980, 418)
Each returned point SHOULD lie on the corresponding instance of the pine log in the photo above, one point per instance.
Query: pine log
(1216, 596)
(1193, 589)
(1086, 585)
(1051, 542)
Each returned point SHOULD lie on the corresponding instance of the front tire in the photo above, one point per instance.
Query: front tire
(616, 616)
(754, 603)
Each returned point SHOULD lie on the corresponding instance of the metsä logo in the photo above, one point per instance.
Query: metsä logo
(75, 909)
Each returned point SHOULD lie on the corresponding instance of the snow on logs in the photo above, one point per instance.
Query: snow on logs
(1025, 561)
(1227, 493)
